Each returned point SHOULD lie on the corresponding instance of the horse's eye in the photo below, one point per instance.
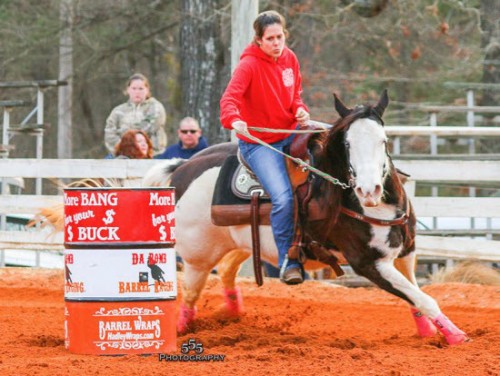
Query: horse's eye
(347, 145)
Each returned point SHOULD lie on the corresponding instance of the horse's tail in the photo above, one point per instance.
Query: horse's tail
(159, 174)
(52, 216)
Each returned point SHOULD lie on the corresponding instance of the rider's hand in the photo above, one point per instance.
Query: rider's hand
(240, 126)
(302, 116)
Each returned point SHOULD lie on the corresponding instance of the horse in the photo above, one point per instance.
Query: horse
(366, 215)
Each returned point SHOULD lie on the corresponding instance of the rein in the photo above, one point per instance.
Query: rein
(273, 130)
(399, 221)
(300, 162)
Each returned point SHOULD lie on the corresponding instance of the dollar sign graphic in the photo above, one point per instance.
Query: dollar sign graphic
(109, 216)
(163, 233)
(70, 234)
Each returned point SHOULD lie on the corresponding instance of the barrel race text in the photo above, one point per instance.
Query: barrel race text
(156, 200)
(92, 199)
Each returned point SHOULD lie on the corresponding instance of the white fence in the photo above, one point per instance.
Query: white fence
(14, 243)
(429, 171)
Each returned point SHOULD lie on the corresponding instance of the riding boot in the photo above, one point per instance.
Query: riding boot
(291, 272)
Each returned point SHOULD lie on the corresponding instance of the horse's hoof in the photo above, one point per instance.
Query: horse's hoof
(457, 339)
(233, 302)
(451, 333)
(186, 317)
(425, 327)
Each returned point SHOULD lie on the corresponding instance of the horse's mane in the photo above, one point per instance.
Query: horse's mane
(330, 157)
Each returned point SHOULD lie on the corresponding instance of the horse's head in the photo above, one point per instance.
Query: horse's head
(364, 141)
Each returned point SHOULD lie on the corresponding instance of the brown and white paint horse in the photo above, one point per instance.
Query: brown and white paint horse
(354, 152)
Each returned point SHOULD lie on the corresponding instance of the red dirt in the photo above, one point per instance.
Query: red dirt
(312, 329)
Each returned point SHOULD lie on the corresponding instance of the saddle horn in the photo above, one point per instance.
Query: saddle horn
(341, 108)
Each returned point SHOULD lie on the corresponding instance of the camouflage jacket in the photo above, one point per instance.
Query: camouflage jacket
(148, 116)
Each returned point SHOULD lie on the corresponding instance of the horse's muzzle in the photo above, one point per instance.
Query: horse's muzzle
(369, 197)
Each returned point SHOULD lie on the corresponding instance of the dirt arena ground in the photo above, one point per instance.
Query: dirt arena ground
(312, 329)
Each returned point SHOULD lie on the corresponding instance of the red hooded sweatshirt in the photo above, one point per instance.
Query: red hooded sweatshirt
(263, 92)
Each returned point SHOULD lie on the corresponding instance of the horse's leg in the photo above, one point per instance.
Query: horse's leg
(228, 268)
(406, 266)
(194, 281)
(383, 273)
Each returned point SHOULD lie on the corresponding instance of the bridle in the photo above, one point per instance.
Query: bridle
(399, 221)
(351, 178)
(371, 114)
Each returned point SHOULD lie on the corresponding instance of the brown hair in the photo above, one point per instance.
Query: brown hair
(143, 78)
(127, 147)
(266, 19)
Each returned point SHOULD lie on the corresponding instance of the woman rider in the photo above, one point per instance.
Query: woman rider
(265, 91)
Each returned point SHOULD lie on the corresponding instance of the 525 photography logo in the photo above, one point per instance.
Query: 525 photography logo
(191, 351)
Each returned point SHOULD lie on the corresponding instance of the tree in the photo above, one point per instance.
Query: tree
(183, 47)
(490, 43)
(202, 64)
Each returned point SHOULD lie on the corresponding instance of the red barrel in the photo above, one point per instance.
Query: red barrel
(120, 270)
(99, 217)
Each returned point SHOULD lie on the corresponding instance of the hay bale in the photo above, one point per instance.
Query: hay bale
(468, 272)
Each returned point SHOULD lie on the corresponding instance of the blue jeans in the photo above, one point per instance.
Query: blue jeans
(270, 168)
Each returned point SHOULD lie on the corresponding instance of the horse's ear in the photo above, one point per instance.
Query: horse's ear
(341, 107)
(382, 103)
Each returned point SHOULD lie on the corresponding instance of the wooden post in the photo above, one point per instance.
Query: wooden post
(243, 13)
(5, 129)
(434, 151)
(65, 93)
(5, 142)
(396, 145)
(40, 103)
(39, 140)
(472, 146)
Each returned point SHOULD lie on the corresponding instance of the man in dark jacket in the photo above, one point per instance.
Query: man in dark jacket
(190, 141)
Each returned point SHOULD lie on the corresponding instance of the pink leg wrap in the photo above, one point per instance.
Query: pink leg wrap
(453, 335)
(425, 327)
(186, 317)
(233, 301)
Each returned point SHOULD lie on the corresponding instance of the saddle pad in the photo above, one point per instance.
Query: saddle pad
(228, 209)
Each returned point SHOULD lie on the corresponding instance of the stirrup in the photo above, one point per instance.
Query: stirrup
(297, 251)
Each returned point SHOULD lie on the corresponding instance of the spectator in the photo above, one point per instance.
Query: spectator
(190, 142)
(134, 144)
(141, 111)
